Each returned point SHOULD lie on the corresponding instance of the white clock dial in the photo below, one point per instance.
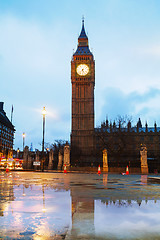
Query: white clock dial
(82, 69)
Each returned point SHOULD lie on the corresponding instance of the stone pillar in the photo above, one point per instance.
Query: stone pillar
(37, 159)
(37, 156)
(66, 156)
(30, 161)
(143, 157)
(25, 157)
(105, 161)
(51, 158)
(60, 158)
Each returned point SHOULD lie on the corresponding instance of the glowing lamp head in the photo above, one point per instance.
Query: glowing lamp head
(44, 111)
(23, 135)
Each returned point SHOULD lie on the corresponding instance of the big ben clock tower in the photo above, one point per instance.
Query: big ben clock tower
(83, 82)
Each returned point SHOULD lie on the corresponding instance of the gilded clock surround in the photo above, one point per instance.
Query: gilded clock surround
(82, 69)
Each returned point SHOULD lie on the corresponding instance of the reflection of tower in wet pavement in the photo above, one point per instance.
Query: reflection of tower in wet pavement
(83, 210)
(82, 215)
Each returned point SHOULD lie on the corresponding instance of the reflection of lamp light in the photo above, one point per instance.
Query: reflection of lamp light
(23, 191)
(43, 208)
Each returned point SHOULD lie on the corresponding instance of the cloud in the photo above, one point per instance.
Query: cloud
(152, 51)
(144, 105)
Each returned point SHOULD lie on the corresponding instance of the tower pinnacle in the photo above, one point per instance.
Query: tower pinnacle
(82, 48)
(82, 20)
(83, 33)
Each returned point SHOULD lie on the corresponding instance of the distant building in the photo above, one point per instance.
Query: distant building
(6, 134)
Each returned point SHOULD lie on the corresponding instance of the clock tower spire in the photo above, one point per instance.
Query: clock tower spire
(83, 82)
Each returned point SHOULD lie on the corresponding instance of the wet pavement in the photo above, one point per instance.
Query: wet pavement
(78, 206)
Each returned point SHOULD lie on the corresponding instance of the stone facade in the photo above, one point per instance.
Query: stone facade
(6, 134)
(82, 100)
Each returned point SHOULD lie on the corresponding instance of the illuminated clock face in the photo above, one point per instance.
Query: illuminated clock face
(82, 69)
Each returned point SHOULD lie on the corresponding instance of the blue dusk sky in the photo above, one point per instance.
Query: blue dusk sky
(37, 38)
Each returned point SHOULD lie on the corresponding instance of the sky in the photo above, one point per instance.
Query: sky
(37, 40)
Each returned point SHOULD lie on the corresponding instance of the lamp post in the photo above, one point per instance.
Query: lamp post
(24, 135)
(18, 153)
(43, 113)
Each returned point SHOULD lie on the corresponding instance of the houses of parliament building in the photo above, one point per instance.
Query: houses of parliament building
(122, 140)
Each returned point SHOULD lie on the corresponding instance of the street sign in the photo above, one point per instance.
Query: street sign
(36, 163)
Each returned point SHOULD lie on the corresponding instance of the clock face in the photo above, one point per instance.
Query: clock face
(82, 69)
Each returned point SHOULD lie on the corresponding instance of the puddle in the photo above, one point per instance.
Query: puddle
(78, 206)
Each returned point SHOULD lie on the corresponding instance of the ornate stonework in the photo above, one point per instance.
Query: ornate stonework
(60, 159)
(144, 164)
(66, 156)
(105, 161)
(51, 158)
(83, 82)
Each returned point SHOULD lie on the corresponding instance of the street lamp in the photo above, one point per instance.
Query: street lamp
(43, 113)
(24, 135)
(18, 153)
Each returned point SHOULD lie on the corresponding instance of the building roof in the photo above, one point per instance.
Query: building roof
(109, 127)
(82, 50)
(133, 129)
(143, 129)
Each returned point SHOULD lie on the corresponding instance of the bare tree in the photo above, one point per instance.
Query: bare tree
(116, 137)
